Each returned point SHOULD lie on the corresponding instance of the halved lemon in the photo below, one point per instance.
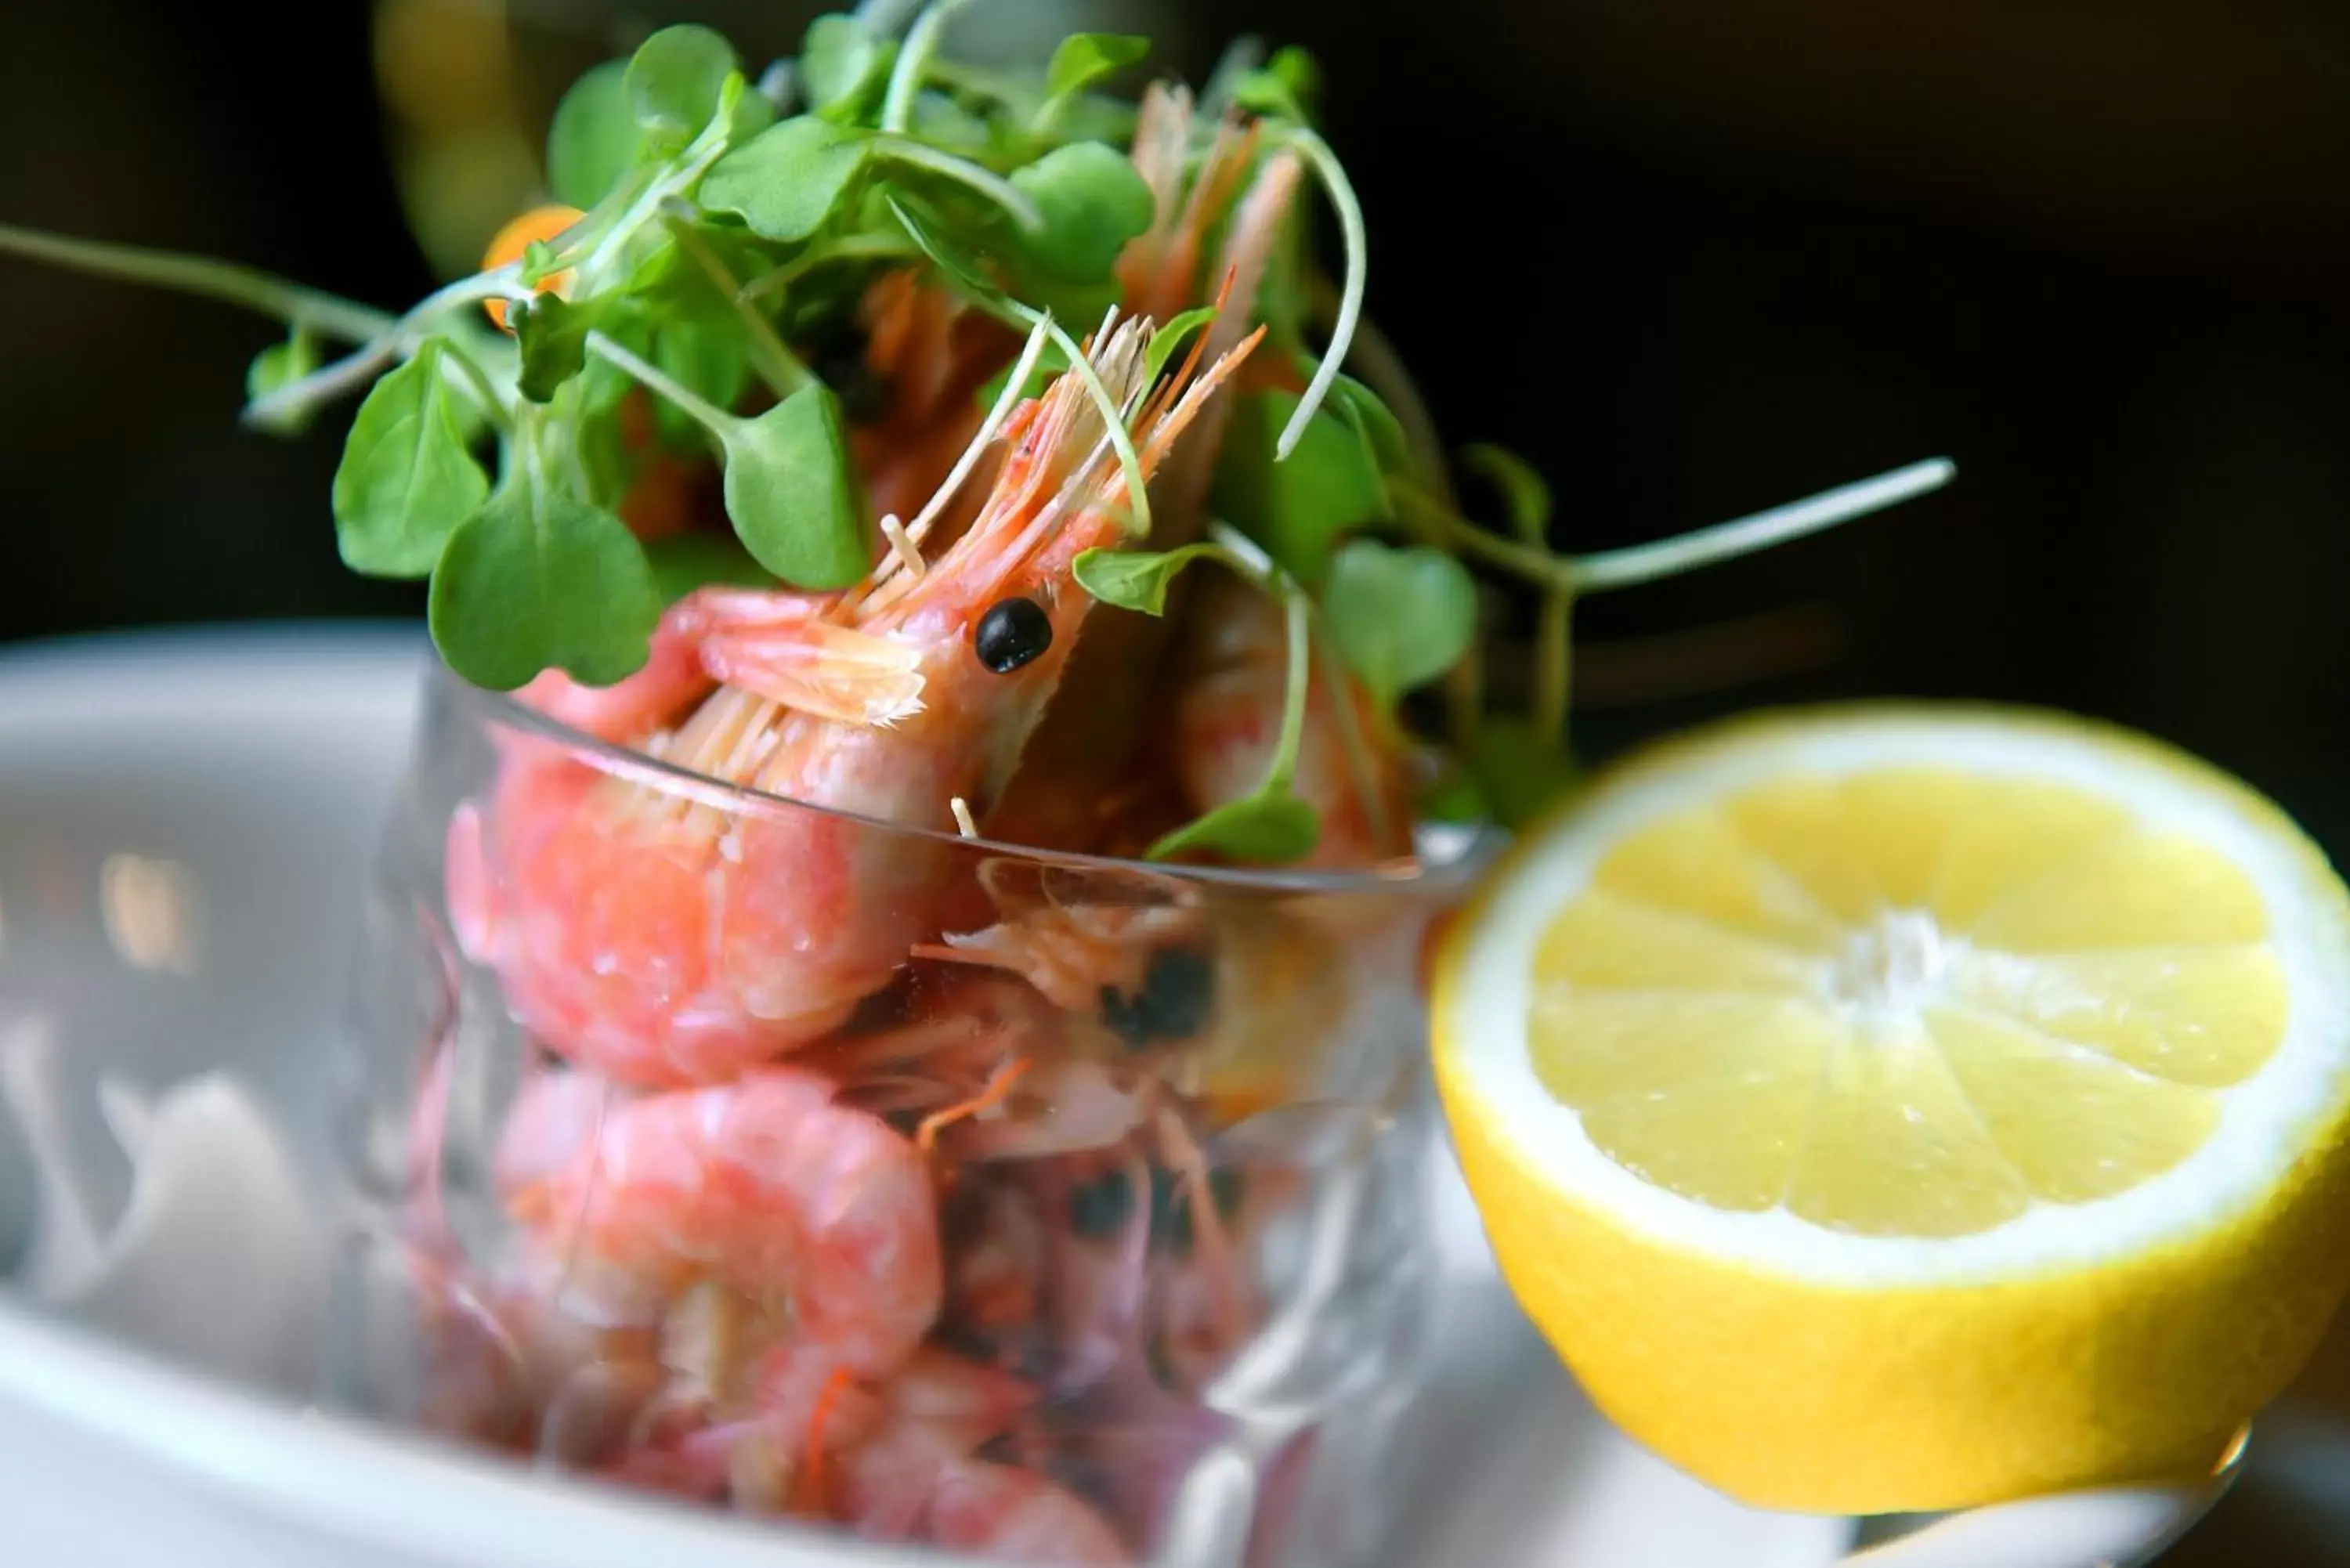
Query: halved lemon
(1907, 1108)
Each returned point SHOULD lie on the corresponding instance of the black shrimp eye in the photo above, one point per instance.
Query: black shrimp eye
(1010, 633)
(1178, 994)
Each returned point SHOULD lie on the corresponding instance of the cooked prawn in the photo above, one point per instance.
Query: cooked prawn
(1228, 712)
(765, 1186)
(1061, 796)
(662, 942)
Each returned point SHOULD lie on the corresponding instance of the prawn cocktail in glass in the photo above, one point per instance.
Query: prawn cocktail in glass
(893, 996)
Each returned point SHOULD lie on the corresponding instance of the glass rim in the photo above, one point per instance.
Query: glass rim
(1477, 844)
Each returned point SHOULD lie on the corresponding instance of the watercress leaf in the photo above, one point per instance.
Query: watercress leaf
(794, 500)
(748, 111)
(552, 335)
(1374, 421)
(1298, 509)
(1400, 618)
(1084, 58)
(1285, 86)
(844, 68)
(949, 126)
(1135, 579)
(1455, 796)
(535, 580)
(684, 562)
(593, 140)
(1168, 340)
(1269, 827)
(1300, 75)
(275, 366)
(1524, 492)
(673, 83)
(787, 182)
(406, 478)
(1093, 201)
(1523, 771)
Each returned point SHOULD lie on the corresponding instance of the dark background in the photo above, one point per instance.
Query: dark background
(1692, 258)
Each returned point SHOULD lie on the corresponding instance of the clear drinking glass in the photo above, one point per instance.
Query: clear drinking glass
(1056, 1208)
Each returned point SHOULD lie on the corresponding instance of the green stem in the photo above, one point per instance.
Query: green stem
(330, 381)
(1360, 767)
(1341, 192)
(986, 182)
(776, 363)
(248, 287)
(913, 57)
(1553, 667)
(1431, 517)
(857, 247)
(1382, 369)
(709, 413)
(1294, 696)
(1744, 536)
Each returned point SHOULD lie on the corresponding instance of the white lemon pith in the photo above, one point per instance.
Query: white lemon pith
(1911, 1109)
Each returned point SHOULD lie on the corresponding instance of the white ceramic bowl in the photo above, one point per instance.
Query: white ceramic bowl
(185, 824)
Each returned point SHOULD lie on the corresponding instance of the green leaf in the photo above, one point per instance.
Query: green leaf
(593, 140)
(1524, 772)
(1455, 796)
(1400, 618)
(1084, 58)
(673, 83)
(552, 334)
(1093, 201)
(1172, 336)
(1524, 492)
(406, 478)
(746, 109)
(278, 365)
(1287, 85)
(1136, 579)
(1298, 509)
(1269, 827)
(794, 500)
(684, 562)
(539, 580)
(787, 182)
(1374, 421)
(844, 69)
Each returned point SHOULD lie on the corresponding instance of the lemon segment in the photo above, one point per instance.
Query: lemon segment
(1912, 1108)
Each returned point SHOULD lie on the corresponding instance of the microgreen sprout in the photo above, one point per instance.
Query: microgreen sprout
(717, 242)
(1341, 191)
(905, 77)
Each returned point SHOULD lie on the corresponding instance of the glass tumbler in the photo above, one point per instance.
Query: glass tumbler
(1039, 1207)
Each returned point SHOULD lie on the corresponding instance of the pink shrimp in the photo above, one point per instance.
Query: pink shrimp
(899, 1463)
(765, 1186)
(1228, 713)
(663, 941)
(1015, 1514)
(934, 353)
(1061, 797)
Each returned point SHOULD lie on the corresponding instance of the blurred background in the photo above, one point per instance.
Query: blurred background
(1693, 259)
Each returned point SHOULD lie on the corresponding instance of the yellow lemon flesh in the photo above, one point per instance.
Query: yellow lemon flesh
(1892, 1109)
